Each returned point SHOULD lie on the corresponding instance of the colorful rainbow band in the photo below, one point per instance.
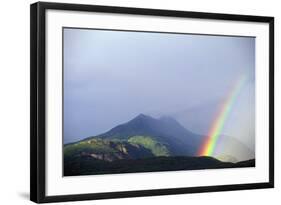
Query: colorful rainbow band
(208, 146)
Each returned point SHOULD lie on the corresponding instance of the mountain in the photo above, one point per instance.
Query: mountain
(140, 138)
(145, 144)
(232, 150)
(165, 130)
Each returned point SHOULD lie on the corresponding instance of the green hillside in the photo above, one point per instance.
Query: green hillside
(150, 143)
(135, 147)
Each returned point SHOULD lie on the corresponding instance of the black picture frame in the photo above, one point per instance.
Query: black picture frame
(38, 101)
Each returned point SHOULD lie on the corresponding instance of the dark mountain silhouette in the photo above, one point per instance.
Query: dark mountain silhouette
(90, 166)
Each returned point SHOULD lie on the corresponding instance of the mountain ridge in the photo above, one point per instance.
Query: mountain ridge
(165, 129)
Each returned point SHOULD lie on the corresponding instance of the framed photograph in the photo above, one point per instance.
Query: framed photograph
(129, 102)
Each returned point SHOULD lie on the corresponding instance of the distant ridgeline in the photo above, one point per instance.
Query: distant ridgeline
(145, 144)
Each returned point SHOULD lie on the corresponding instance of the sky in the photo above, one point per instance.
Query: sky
(112, 76)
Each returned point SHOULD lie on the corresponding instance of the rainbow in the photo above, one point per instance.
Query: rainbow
(208, 146)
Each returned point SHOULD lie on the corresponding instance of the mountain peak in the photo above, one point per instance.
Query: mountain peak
(142, 117)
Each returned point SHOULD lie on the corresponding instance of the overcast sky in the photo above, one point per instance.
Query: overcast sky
(112, 76)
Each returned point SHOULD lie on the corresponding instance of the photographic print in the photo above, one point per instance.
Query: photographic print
(139, 101)
(132, 102)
